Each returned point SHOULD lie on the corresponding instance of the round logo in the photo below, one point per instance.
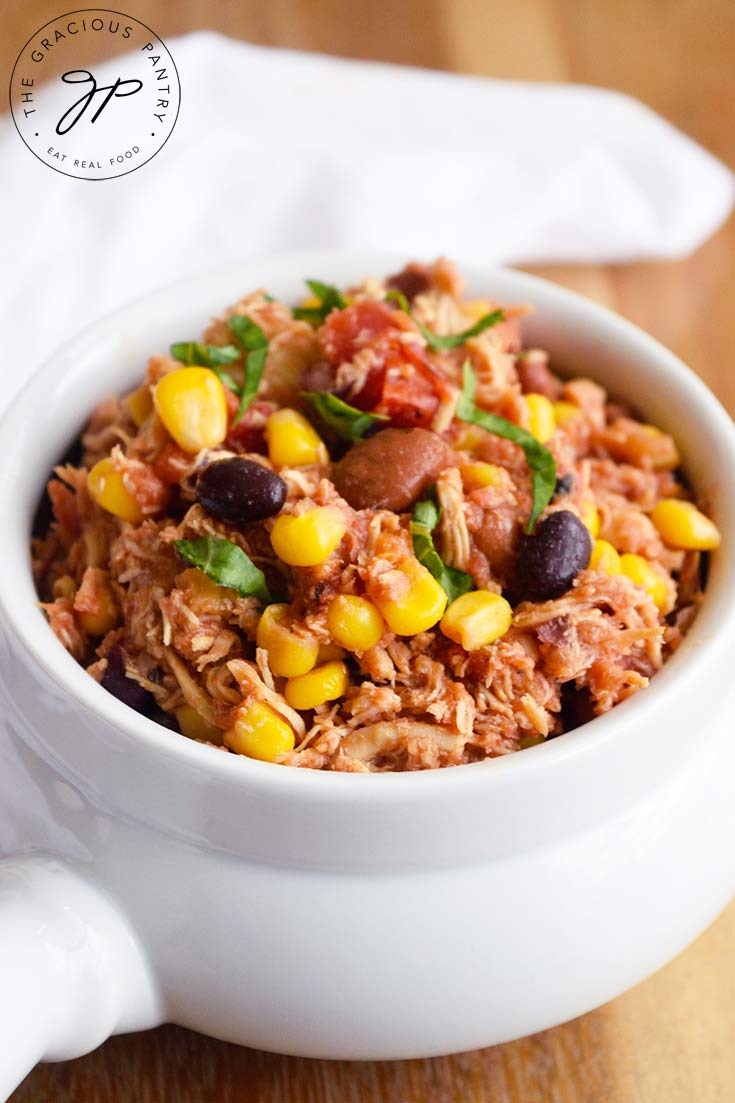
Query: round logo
(94, 94)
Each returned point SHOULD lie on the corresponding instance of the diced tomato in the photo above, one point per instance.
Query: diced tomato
(248, 434)
(146, 485)
(404, 386)
(232, 403)
(401, 382)
(172, 463)
(409, 401)
(347, 331)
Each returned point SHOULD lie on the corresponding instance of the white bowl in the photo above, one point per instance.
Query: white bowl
(340, 915)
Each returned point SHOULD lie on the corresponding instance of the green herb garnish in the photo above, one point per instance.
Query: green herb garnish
(195, 354)
(330, 298)
(227, 379)
(539, 459)
(450, 340)
(454, 340)
(255, 345)
(226, 564)
(425, 518)
(348, 423)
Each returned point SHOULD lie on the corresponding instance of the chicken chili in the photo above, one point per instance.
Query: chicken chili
(370, 532)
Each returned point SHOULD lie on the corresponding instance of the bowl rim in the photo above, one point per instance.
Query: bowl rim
(705, 634)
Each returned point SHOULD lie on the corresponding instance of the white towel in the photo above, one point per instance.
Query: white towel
(278, 150)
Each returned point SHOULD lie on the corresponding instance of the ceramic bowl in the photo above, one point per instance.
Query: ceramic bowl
(148, 878)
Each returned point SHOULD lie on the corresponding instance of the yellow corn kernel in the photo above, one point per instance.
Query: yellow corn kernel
(420, 606)
(289, 654)
(259, 732)
(478, 474)
(648, 446)
(98, 624)
(468, 438)
(293, 441)
(311, 302)
(640, 571)
(140, 404)
(590, 518)
(64, 587)
(541, 418)
(109, 491)
(476, 308)
(564, 412)
(681, 525)
(193, 725)
(106, 613)
(477, 619)
(329, 652)
(309, 538)
(324, 683)
(204, 591)
(605, 558)
(191, 404)
(355, 622)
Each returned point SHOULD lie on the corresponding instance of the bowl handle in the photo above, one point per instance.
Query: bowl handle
(71, 969)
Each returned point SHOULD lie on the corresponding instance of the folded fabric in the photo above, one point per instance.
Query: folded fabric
(279, 150)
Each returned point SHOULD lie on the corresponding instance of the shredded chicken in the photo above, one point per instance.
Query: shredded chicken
(455, 538)
(127, 603)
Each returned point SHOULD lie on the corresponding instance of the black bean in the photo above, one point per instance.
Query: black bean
(564, 485)
(549, 560)
(165, 719)
(239, 491)
(576, 707)
(127, 690)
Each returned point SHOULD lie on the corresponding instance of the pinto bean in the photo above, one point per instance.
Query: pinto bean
(535, 376)
(321, 376)
(497, 538)
(391, 469)
(411, 281)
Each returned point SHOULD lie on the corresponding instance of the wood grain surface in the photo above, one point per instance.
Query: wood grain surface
(672, 1039)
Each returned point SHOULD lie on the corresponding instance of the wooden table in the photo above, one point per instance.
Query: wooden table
(672, 1039)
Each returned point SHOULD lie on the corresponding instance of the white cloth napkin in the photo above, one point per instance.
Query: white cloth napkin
(279, 150)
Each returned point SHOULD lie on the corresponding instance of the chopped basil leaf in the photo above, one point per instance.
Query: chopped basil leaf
(347, 422)
(249, 334)
(454, 340)
(449, 340)
(254, 368)
(255, 344)
(427, 513)
(226, 564)
(226, 378)
(425, 518)
(539, 459)
(326, 291)
(397, 297)
(194, 353)
(310, 314)
(330, 298)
